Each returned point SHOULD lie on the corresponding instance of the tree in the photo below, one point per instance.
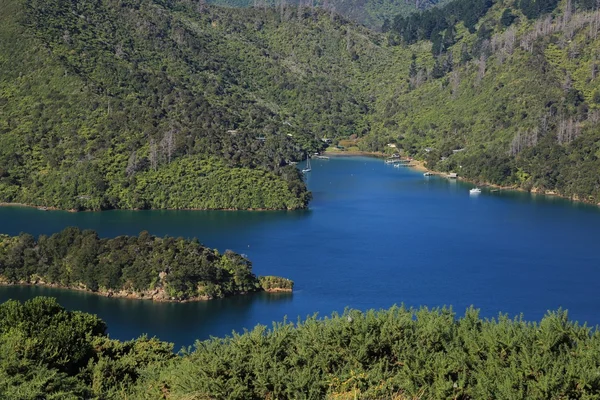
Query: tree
(507, 18)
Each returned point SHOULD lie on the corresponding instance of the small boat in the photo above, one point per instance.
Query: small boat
(292, 162)
(475, 191)
(43, 208)
(322, 157)
(307, 168)
(428, 174)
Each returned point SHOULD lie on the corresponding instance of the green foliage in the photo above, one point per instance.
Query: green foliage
(210, 184)
(159, 268)
(396, 353)
(47, 352)
(95, 95)
(178, 104)
(275, 283)
(507, 18)
(433, 23)
(399, 353)
(514, 106)
(371, 13)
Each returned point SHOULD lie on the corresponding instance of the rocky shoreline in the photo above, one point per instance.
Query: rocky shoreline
(156, 295)
(72, 210)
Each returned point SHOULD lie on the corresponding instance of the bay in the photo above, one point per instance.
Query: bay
(374, 236)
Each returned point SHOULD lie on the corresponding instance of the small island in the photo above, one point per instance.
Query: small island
(143, 266)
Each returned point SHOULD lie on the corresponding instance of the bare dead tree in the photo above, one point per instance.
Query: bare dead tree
(545, 123)
(594, 117)
(527, 41)
(481, 66)
(568, 83)
(568, 130)
(348, 40)
(523, 140)
(420, 77)
(153, 155)
(454, 82)
(132, 164)
(167, 144)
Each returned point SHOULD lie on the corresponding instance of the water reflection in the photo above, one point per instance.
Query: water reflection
(173, 322)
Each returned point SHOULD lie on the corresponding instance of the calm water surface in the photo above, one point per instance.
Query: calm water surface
(374, 236)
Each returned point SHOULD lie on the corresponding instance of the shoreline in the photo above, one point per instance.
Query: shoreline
(50, 208)
(156, 295)
(419, 165)
(357, 153)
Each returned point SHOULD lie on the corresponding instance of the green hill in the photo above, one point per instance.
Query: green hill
(506, 99)
(371, 13)
(177, 104)
(128, 105)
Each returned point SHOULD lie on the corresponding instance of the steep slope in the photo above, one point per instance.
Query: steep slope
(371, 13)
(505, 100)
(126, 105)
(167, 104)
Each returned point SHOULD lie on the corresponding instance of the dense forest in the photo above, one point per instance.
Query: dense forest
(143, 266)
(372, 13)
(512, 99)
(179, 104)
(400, 353)
(101, 104)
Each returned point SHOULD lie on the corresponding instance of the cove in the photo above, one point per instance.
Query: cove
(374, 236)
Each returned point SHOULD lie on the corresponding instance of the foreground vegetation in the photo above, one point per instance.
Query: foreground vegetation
(145, 266)
(400, 353)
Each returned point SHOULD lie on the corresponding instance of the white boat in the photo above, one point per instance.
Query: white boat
(428, 174)
(475, 191)
(322, 157)
(307, 167)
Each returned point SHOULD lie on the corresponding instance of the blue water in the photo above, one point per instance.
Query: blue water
(374, 236)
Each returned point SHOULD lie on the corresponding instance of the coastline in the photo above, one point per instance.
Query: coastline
(356, 153)
(156, 295)
(50, 208)
(419, 165)
(415, 164)
(41, 208)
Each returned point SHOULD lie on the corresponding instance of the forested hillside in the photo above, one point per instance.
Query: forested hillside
(143, 267)
(178, 104)
(371, 13)
(499, 92)
(48, 352)
(114, 105)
